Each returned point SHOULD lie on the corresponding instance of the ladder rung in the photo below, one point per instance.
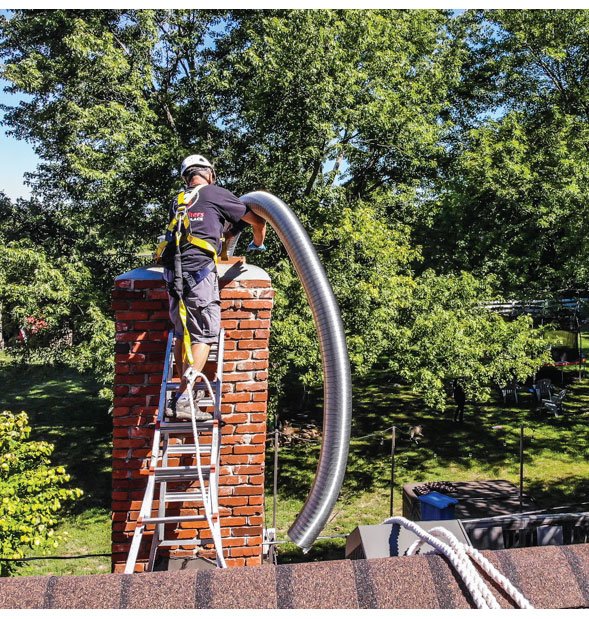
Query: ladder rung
(194, 541)
(181, 497)
(167, 473)
(184, 427)
(188, 448)
(173, 519)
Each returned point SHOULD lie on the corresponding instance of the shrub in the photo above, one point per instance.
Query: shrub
(31, 491)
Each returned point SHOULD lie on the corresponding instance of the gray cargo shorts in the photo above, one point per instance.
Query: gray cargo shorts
(203, 310)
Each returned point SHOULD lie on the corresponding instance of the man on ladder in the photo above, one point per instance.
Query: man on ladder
(189, 255)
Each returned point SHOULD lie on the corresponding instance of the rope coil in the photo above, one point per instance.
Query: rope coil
(463, 559)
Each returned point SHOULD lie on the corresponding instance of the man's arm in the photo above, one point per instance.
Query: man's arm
(258, 227)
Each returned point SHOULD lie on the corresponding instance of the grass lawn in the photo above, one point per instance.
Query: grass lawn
(64, 408)
(556, 469)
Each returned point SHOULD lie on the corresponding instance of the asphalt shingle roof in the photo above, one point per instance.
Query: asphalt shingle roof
(550, 577)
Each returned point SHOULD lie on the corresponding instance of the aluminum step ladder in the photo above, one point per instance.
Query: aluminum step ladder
(194, 483)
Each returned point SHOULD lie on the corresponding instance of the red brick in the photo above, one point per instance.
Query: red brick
(261, 354)
(231, 377)
(255, 283)
(251, 428)
(147, 368)
(130, 442)
(248, 510)
(252, 386)
(144, 390)
(236, 397)
(161, 315)
(229, 324)
(249, 345)
(267, 294)
(228, 542)
(148, 283)
(131, 358)
(239, 355)
(147, 347)
(248, 449)
(244, 552)
(237, 459)
(127, 401)
(233, 419)
(131, 315)
(250, 407)
(151, 325)
(235, 562)
(233, 501)
(240, 334)
(262, 375)
(129, 336)
(160, 294)
(129, 379)
(237, 293)
(261, 334)
(121, 304)
(247, 469)
(233, 314)
(127, 294)
(146, 305)
(257, 304)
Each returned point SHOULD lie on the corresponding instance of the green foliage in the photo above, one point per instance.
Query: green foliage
(32, 491)
(33, 286)
(512, 199)
(452, 335)
(361, 120)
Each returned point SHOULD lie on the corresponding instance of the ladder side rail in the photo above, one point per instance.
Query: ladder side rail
(217, 426)
(166, 374)
(144, 512)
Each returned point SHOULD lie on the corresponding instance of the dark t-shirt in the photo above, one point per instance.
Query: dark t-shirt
(207, 216)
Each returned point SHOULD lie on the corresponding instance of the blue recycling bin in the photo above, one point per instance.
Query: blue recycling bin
(437, 506)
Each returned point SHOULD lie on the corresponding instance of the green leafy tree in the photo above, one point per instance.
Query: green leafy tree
(346, 115)
(32, 491)
(512, 201)
(452, 335)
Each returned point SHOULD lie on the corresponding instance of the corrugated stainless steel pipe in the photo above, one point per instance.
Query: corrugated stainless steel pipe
(337, 385)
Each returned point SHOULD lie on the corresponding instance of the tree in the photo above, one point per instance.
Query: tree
(343, 114)
(512, 200)
(32, 491)
(451, 334)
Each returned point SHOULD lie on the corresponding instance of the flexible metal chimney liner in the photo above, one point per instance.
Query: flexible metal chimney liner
(337, 387)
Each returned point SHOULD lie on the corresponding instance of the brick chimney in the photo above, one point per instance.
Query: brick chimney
(140, 303)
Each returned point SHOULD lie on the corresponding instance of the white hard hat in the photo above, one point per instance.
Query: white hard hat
(194, 160)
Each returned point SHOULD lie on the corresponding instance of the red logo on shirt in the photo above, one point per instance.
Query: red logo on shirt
(195, 216)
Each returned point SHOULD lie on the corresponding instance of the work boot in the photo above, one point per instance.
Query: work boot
(181, 410)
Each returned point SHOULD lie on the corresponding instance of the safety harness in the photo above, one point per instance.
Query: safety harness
(179, 229)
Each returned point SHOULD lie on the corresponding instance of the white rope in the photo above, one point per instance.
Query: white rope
(191, 375)
(485, 565)
(459, 556)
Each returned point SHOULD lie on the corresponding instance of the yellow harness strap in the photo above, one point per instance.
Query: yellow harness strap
(185, 199)
(181, 221)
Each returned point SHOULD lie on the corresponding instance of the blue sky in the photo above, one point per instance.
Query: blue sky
(16, 155)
